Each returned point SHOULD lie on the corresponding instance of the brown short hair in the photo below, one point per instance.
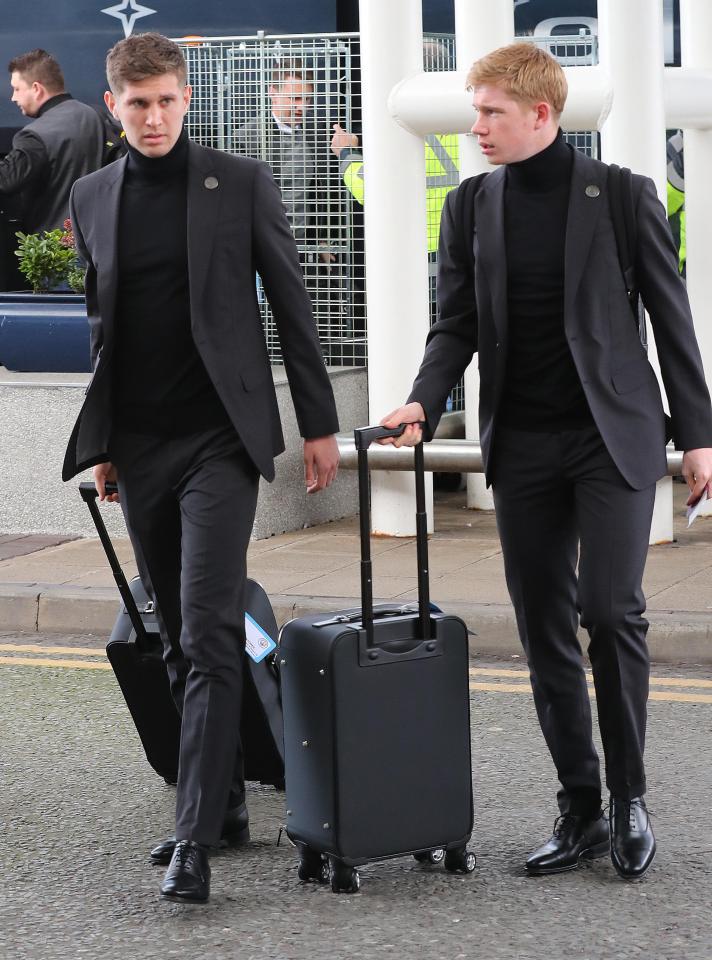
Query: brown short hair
(38, 66)
(143, 55)
(524, 71)
(288, 67)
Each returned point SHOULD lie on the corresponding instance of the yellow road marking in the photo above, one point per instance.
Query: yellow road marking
(680, 697)
(654, 681)
(46, 648)
(521, 676)
(49, 662)
(669, 696)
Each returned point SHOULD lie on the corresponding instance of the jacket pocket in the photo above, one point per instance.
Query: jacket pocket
(255, 375)
(632, 375)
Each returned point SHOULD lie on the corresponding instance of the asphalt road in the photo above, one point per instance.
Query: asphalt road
(80, 809)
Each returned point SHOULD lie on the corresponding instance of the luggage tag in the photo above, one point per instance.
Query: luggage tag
(258, 643)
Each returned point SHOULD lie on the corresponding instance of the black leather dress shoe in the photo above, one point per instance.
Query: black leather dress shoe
(632, 840)
(235, 832)
(574, 839)
(188, 875)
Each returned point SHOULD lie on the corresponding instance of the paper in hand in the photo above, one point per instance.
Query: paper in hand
(694, 510)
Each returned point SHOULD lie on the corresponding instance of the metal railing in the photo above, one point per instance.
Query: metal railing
(441, 456)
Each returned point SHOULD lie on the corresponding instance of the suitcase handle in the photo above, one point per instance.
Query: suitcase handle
(363, 437)
(89, 494)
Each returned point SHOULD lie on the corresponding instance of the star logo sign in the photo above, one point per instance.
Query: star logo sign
(128, 12)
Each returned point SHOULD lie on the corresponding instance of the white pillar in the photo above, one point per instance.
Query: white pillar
(395, 238)
(631, 50)
(696, 43)
(480, 26)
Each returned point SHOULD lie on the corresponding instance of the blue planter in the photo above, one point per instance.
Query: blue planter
(44, 332)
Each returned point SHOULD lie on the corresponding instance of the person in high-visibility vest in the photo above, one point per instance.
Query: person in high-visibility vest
(441, 172)
(676, 194)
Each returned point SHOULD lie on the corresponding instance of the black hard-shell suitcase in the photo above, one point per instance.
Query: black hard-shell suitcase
(377, 725)
(135, 652)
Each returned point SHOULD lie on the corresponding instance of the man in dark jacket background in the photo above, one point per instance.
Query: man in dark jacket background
(64, 141)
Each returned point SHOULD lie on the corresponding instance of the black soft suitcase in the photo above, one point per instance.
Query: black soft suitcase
(377, 725)
(135, 652)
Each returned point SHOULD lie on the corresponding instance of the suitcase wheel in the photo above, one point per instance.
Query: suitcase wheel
(460, 861)
(344, 879)
(430, 856)
(312, 865)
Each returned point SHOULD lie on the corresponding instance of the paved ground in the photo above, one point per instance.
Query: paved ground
(81, 808)
(68, 587)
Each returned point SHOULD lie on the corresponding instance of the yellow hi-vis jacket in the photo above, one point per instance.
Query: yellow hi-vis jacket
(441, 175)
(676, 205)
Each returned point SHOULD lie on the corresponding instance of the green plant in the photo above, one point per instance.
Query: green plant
(49, 258)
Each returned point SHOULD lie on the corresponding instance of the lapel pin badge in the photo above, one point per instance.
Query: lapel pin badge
(211, 183)
(591, 190)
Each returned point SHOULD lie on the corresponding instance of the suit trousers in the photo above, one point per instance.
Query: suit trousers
(189, 504)
(559, 497)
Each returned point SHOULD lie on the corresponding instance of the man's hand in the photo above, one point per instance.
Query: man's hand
(697, 471)
(321, 462)
(105, 473)
(411, 413)
(326, 256)
(342, 139)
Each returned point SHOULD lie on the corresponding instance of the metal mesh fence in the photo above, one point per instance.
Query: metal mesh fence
(276, 99)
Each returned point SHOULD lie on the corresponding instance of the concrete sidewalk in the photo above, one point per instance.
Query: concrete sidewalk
(65, 586)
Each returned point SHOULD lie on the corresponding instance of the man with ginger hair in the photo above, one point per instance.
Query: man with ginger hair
(181, 410)
(572, 428)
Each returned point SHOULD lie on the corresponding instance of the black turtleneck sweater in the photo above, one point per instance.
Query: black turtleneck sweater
(161, 386)
(542, 389)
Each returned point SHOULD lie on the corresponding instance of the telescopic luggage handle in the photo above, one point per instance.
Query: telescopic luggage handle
(363, 438)
(89, 494)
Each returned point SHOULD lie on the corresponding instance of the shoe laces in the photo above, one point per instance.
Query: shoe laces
(629, 811)
(562, 822)
(186, 854)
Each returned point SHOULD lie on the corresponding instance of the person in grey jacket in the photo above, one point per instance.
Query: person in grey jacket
(64, 141)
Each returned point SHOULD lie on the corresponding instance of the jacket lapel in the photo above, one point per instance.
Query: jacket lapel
(206, 195)
(489, 224)
(107, 230)
(586, 200)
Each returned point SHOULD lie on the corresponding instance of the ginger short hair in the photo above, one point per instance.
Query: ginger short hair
(143, 55)
(290, 68)
(525, 72)
(38, 66)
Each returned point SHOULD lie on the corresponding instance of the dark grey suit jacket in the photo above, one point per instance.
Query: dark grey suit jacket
(66, 142)
(236, 224)
(619, 382)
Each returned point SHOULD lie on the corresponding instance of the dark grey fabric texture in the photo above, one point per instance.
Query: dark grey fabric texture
(189, 505)
(61, 145)
(617, 378)
(235, 226)
(560, 499)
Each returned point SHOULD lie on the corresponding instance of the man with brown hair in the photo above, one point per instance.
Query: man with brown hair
(182, 410)
(571, 425)
(286, 141)
(64, 141)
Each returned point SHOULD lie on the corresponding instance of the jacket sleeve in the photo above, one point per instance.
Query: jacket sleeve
(96, 335)
(665, 298)
(452, 340)
(23, 164)
(277, 262)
